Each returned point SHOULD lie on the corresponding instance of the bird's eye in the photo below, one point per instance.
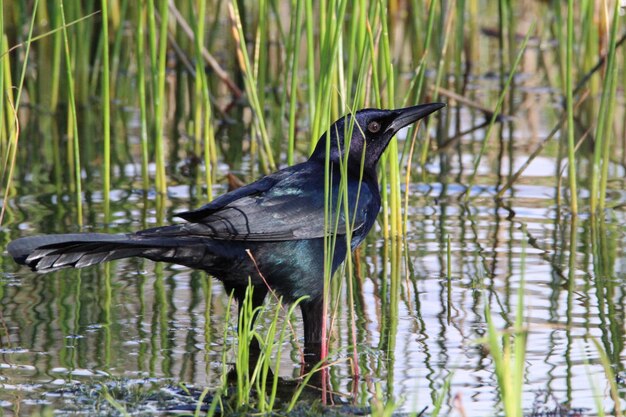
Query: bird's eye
(373, 127)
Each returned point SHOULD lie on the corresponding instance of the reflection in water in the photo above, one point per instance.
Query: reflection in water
(417, 323)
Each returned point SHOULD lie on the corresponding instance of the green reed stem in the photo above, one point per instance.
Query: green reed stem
(154, 48)
(245, 335)
(349, 227)
(202, 102)
(310, 61)
(417, 82)
(160, 100)
(251, 89)
(209, 134)
(198, 409)
(365, 65)
(520, 335)
(106, 112)
(141, 86)
(604, 131)
(198, 102)
(330, 35)
(209, 142)
(7, 119)
(56, 62)
(569, 94)
(262, 371)
(448, 14)
(10, 128)
(395, 198)
(356, 23)
(459, 39)
(4, 113)
(293, 96)
(382, 405)
(284, 331)
(73, 128)
(120, 14)
(259, 68)
(330, 40)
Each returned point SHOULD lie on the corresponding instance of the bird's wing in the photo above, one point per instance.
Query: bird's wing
(287, 205)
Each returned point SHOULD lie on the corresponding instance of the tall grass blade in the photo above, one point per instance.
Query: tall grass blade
(160, 99)
(106, 112)
(142, 92)
(604, 130)
(251, 88)
(72, 120)
(569, 95)
(293, 69)
(203, 124)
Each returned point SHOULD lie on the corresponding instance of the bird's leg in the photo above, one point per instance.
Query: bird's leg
(312, 317)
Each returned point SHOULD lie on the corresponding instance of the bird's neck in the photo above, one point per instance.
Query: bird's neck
(355, 170)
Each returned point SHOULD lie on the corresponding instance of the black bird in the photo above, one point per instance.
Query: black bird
(279, 219)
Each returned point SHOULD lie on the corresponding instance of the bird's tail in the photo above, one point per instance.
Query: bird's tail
(78, 250)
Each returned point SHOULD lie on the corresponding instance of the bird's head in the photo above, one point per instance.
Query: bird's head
(371, 132)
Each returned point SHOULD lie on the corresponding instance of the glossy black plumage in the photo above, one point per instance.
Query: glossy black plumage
(277, 220)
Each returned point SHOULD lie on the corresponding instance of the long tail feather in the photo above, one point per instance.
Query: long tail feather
(78, 250)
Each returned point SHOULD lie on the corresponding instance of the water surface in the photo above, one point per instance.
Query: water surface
(139, 323)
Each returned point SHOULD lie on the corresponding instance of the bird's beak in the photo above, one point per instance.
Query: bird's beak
(410, 115)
